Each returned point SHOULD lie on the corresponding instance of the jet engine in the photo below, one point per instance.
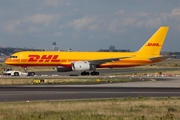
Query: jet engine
(81, 66)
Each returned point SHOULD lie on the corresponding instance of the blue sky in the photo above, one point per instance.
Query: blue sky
(87, 25)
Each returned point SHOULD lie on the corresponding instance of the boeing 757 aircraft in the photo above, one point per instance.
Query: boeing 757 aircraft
(89, 61)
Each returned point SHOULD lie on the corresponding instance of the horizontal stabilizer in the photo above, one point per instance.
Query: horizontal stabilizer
(161, 57)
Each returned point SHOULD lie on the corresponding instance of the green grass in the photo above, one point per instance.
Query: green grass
(61, 81)
(108, 109)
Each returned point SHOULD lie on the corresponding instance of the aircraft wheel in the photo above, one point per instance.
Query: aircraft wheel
(94, 73)
(85, 73)
(97, 73)
(82, 73)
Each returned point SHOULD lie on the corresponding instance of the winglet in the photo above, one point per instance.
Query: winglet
(154, 44)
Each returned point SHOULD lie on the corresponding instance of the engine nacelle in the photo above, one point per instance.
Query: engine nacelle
(62, 69)
(81, 66)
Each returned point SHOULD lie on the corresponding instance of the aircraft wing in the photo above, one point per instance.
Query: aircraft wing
(161, 57)
(101, 61)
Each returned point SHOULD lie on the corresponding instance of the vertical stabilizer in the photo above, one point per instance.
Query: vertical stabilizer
(154, 44)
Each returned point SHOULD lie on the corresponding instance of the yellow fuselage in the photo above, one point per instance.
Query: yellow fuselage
(55, 58)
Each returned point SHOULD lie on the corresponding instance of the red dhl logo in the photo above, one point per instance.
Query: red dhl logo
(153, 44)
(43, 58)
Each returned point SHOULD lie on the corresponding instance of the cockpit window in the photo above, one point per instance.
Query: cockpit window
(13, 57)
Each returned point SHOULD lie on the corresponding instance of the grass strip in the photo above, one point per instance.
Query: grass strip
(140, 108)
(29, 81)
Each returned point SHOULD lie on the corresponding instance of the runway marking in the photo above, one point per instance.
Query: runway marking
(53, 92)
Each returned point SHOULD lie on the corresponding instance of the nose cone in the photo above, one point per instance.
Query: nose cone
(7, 61)
(12, 61)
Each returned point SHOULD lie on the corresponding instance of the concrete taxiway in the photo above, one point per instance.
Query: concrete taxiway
(103, 72)
(106, 71)
(168, 88)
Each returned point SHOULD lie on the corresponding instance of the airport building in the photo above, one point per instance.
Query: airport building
(54, 47)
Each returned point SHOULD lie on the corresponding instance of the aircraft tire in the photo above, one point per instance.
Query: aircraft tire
(97, 73)
(85, 73)
(94, 73)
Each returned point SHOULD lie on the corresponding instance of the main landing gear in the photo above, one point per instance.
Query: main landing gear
(92, 73)
(87, 73)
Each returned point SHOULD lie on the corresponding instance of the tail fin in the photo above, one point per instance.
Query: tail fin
(154, 44)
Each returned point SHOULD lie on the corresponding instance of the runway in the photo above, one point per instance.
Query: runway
(18, 93)
(163, 87)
